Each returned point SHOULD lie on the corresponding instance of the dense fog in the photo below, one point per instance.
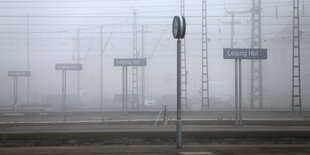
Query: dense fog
(35, 35)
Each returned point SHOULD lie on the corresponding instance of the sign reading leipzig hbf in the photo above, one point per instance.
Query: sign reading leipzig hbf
(68, 66)
(130, 62)
(243, 53)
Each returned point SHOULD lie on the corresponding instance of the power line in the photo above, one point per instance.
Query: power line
(104, 16)
(156, 24)
(58, 1)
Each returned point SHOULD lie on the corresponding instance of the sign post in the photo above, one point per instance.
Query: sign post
(178, 31)
(124, 63)
(238, 54)
(125, 92)
(16, 74)
(64, 68)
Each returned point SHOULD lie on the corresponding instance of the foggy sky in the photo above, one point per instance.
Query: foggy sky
(53, 28)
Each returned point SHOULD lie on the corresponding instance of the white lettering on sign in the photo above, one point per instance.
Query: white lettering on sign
(19, 73)
(68, 66)
(129, 62)
(253, 53)
(233, 53)
(237, 53)
(244, 54)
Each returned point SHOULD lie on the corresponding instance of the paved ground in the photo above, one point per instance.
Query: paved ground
(146, 149)
(164, 150)
(145, 115)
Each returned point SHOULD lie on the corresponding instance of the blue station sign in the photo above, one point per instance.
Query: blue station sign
(244, 53)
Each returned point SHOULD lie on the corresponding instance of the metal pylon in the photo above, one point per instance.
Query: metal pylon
(296, 82)
(134, 99)
(205, 74)
(183, 66)
(256, 65)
